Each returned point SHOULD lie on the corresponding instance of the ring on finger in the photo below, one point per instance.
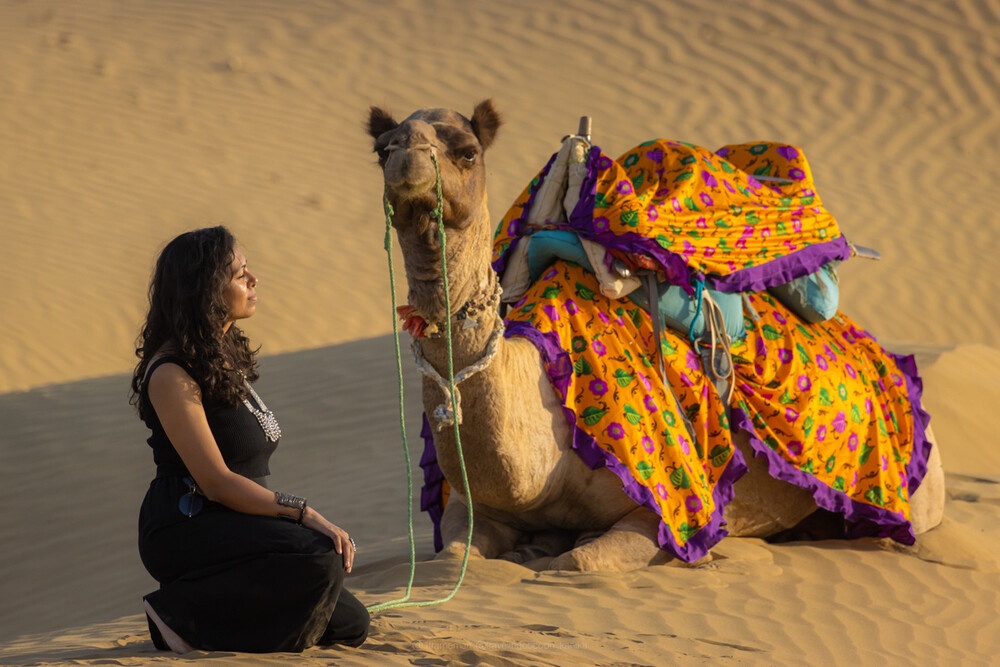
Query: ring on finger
(353, 544)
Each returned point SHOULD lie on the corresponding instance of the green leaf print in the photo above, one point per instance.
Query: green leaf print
(528, 307)
(808, 424)
(686, 531)
(866, 451)
(638, 180)
(874, 496)
(636, 316)
(684, 176)
(855, 414)
(667, 347)
(552, 291)
(771, 442)
(623, 378)
(824, 397)
(786, 398)
(689, 202)
(805, 332)
(808, 467)
(592, 415)
(803, 355)
(664, 241)
(839, 484)
(632, 415)
(719, 455)
(669, 418)
(831, 463)
(600, 200)
(629, 218)
(582, 367)
(644, 469)
(584, 292)
(770, 332)
(762, 171)
(679, 478)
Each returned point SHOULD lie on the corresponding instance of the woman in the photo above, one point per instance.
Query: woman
(240, 567)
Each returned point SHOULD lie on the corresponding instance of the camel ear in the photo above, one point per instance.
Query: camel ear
(486, 121)
(380, 122)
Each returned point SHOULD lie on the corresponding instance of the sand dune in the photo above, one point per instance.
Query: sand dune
(125, 123)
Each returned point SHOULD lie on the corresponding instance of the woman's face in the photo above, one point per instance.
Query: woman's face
(240, 293)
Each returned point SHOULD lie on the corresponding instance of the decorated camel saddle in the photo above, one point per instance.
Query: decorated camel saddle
(678, 296)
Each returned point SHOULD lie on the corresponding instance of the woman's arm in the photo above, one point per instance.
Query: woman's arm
(176, 398)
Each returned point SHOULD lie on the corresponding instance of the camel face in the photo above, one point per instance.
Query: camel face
(405, 154)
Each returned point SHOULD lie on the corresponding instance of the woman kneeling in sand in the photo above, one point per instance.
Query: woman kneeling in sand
(240, 568)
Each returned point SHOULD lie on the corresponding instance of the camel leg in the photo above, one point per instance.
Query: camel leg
(629, 544)
(489, 538)
(927, 502)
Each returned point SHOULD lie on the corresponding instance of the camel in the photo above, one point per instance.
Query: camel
(533, 496)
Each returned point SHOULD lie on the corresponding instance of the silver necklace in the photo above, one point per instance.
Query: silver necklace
(265, 417)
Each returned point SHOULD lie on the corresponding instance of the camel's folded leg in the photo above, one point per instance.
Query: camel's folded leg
(927, 502)
(629, 544)
(490, 539)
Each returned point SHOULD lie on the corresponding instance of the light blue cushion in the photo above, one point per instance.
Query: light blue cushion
(676, 306)
(815, 297)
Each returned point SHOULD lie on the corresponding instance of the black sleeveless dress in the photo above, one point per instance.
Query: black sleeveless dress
(233, 581)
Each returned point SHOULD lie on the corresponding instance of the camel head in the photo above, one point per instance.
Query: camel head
(404, 153)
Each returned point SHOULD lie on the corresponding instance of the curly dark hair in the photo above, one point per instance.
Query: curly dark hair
(187, 312)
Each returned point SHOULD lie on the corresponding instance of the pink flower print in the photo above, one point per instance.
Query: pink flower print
(708, 252)
(603, 317)
(571, 307)
(685, 447)
(601, 224)
(746, 389)
(650, 403)
(701, 223)
(675, 203)
(705, 199)
(651, 213)
(513, 227)
(692, 361)
(897, 379)
(780, 318)
(753, 184)
(765, 233)
(520, 302)
(821, 362)
(604, 162)
(624, 187)
(645, 381)
(804, 383)
(598, 387)
(647, 444)
(821, 433)
(852, 442)
(791, 415)
(758, 369)
(693, 504)
(788, 152)
(829, 352)
(854, 480)
(689, 249)
(598, 347)
(847, 336)
(729, 186)
(686, 380)
(661, 491)
(850, 371)
(616, 431)
(840, 422)
(868, 406)
(795, 448)
(655, 155)
(551, 312)
(797, 225)
(885, 463)
(881, 384)
(796, 174)
(550, 274)
(709, 179)
(784, 354)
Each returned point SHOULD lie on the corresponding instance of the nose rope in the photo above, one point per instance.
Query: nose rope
(438, 215)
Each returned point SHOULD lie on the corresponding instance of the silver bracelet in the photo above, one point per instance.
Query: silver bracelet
(288, 500)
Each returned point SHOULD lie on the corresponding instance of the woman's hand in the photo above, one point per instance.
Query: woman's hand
(342, 542)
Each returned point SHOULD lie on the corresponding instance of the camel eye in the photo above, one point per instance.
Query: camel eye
(470, 155)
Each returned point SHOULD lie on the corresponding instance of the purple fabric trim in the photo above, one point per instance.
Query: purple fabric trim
(783, 269)
(501, 262)
(431, 500)
(917, 467)
(867, 520)
(559, 369)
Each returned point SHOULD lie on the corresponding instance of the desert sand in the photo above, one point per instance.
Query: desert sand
(125, 123)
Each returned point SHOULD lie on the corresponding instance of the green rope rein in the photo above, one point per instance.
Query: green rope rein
(438, 215)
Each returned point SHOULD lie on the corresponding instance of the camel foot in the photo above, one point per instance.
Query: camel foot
(456, 551)
(539, 546)
(628, 545)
